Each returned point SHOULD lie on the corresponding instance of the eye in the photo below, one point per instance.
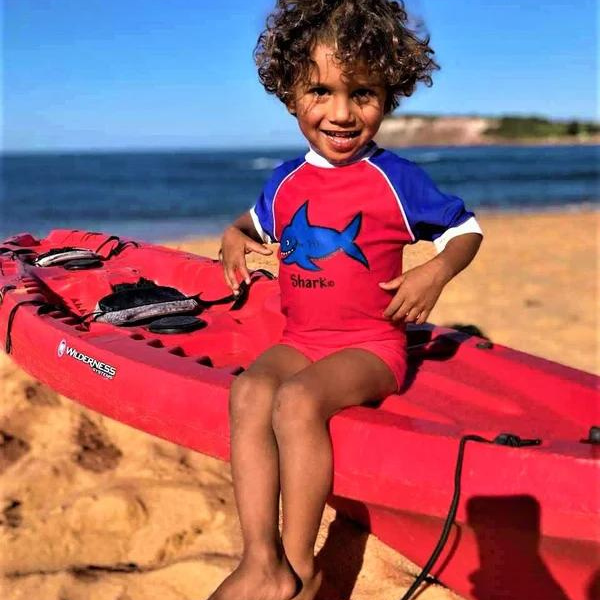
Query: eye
(318, 91)
(363, 94)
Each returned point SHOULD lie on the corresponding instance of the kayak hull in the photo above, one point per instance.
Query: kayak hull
(531, 513)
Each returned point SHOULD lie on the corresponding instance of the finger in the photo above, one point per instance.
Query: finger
(243, 269)
(402, 311)
(412, 314)
(256, 247)
(422, 318)
(393, 306)
(397, 308)
(226, 277)
(241, 273)
(231, 278)
(392, 283)
(226, 272)
(236, 281)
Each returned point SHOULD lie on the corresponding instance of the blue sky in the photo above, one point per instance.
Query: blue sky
(82, 74)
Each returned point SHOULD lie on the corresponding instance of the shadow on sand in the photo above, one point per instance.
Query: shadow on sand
(506, 532)
(341, 557)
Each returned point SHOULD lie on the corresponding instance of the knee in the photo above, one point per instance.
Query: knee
(248, 392)
(295, 407)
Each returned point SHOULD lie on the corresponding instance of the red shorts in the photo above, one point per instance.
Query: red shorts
(391, 352)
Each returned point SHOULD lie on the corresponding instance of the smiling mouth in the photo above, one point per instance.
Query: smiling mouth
(287, 253)
(341, 134)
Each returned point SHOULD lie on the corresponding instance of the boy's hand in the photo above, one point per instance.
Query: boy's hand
(418, 289)
(417, 292)
(234, 246)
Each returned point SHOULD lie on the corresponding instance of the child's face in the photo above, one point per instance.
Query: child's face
(337, 113)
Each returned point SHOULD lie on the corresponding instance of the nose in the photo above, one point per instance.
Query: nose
(340, 109)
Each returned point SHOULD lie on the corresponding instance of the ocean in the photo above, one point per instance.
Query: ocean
(163, 195)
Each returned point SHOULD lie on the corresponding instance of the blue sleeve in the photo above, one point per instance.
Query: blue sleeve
(262, 217)
(429, 212)
(262, 211)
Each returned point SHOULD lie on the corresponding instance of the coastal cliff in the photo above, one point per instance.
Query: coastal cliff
(424, 130)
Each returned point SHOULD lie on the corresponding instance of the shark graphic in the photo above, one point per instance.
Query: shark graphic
(301, 242)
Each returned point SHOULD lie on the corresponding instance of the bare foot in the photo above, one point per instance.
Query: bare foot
(252, 581)
(310, 586)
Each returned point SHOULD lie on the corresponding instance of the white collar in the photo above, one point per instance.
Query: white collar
(314, 158)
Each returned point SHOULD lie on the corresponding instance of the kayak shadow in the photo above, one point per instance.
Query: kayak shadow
(342, 555)
(593, 589)
(507, 532)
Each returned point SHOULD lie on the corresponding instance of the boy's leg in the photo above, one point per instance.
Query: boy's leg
(254, 455)
(255, 468)
(303, 405)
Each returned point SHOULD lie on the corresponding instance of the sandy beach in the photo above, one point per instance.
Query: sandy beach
(93, 510)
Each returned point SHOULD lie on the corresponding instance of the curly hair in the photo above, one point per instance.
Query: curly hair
(377, 32)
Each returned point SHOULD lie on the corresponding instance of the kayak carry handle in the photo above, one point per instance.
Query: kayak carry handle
(510, 439)
(593, 436)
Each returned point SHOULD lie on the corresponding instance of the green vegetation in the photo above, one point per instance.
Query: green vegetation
(512, 127)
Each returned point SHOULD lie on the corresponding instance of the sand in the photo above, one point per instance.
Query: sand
(93, 510)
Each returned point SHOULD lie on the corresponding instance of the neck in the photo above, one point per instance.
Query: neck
(314, 158)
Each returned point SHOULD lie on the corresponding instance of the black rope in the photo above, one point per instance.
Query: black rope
(118, 248)
(11, 318)
(82, 318)
(208, 303)
(503, 439)
(4, 289)
(239, 299)
(108, 239)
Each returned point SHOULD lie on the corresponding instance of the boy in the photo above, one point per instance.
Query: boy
(342, 215)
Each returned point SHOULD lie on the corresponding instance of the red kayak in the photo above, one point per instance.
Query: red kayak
(528, 522)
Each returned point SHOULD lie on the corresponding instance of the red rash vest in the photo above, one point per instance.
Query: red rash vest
(342, 230)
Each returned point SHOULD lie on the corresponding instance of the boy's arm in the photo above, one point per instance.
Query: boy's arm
(246, 225)
(458, 254)
(238, 239)
(418, 289)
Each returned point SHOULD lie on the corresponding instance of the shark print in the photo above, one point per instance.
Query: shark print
(302, 243)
